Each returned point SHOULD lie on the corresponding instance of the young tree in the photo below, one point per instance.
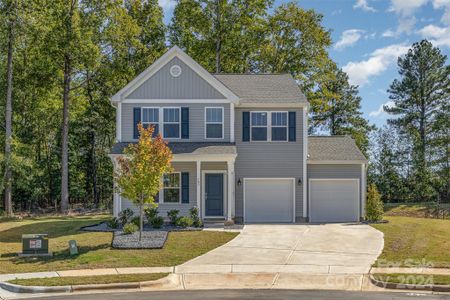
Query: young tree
(374, 205)
(419, 96)
(141, 168)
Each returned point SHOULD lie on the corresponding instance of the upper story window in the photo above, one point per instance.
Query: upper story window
(171, 188)
(269, 126)
(279, 126)
(259, 126)
(171, 122)
(150, 116)
(214, 123)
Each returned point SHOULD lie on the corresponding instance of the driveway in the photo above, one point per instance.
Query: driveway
(309, 249)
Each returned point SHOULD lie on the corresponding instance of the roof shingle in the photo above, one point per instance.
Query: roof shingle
(333, 148)
(198, 148)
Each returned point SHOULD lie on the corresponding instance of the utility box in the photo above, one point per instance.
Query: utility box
(35, 245)
(73, 248)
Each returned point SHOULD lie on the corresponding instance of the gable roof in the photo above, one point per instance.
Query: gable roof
(164, 59)
(263, 88)
(334, 148)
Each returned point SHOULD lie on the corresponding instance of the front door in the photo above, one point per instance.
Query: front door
(213, 195)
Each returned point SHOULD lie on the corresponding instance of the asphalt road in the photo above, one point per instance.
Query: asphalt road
(251, 294)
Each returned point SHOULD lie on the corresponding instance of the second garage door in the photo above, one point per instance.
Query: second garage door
(334, 200)
(268, 200)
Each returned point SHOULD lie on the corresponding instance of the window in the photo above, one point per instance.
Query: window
(259, 126)
(214, 122)
(150, 116)
(171, 190)
(171, 119)
(279, 126)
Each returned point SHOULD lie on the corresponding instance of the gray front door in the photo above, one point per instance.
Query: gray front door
(213, 195)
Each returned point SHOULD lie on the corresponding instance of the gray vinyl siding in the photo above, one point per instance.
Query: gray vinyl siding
(182, 207)
(269, 159)
(335, 171)
(196, 120)
(189, 85)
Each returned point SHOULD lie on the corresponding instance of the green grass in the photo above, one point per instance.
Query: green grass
(101, 279)
(415, 242)
(95, 247)
(417, 210)
(420, 279)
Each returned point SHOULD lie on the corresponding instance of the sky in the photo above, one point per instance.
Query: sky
(369, 35)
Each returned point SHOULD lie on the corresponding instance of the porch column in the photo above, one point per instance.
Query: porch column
(230, 193)
(198, 178)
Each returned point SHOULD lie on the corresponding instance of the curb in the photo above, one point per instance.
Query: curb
(159, 283)
(403, 286)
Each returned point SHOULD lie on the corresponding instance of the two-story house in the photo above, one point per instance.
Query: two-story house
(240, 145)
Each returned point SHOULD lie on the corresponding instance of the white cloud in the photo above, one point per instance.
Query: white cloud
(364, 5)
(167, 4)
(439, 36)
(446, 5)
(349, 38)
(360, 72)
(406, 7)
(380, 111)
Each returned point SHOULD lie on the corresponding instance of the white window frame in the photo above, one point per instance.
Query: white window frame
(221, 123)
(162, 191)
(151, 123)
(161, 115)
(259, 126)
(280, 126)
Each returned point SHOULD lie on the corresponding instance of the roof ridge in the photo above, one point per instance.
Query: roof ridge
(278, 74)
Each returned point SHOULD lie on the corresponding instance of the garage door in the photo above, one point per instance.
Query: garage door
(334, 200)
(268, 200)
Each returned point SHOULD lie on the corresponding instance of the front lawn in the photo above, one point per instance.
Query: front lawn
(95, 247)
(416, 210)
(415, 242)
(420, 279)
(101, 279)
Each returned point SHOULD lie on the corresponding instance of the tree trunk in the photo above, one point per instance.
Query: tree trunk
(218, 36)
(8, 116)
(92, 141)
(141, 219)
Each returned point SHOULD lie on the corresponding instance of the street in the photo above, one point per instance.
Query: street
(251, 294)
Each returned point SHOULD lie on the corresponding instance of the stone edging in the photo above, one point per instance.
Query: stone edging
(402, 286)
(15, 288)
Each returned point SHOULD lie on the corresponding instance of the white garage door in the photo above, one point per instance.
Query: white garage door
(268, 200)
(334, 200)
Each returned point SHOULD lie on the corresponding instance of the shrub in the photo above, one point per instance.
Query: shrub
(125, 216)
(195, 217)
(113, 223)
(374, 206)
(151, 212)
(185, 222)
(173, 216)
(130, 228)
(157, 222)
(136, 221)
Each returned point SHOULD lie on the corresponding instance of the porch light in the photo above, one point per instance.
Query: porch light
(239, 182)
(299, 182)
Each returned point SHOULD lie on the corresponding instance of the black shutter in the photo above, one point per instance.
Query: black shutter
(136, 120)
(292, 126)
(185, 122)
(184, 187)
(245, 126)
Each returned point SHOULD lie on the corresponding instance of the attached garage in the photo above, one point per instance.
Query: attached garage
(334, 200)
(269, 200)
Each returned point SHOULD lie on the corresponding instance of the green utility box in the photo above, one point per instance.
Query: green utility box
(35, 245)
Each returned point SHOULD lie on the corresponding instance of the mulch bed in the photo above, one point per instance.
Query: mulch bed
(150, 240)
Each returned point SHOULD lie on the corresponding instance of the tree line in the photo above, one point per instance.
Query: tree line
(61, 61)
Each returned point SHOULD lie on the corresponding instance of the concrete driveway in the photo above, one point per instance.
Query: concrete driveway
(309, 249)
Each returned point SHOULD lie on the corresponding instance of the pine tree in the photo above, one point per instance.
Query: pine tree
(419, 95)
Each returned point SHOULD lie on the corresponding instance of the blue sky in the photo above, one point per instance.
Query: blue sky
(369, 35)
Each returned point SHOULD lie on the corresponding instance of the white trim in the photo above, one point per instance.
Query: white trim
(163, 60)
(151, 123)
(259, 126)
(198, 165)
(161, 115)
(305, 157)
(270, 178)
(161, 192)
(177, 101)
(269, 126)
(230, 187)
(225, 193)
(221, 123)
(272, 105)
(119, 122)
(363, 191)
(333, 179)
(203, 157)
(232, 125)
(280, 126)
(336, 162)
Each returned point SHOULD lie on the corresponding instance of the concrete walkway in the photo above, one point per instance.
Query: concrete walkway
(302, 249)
